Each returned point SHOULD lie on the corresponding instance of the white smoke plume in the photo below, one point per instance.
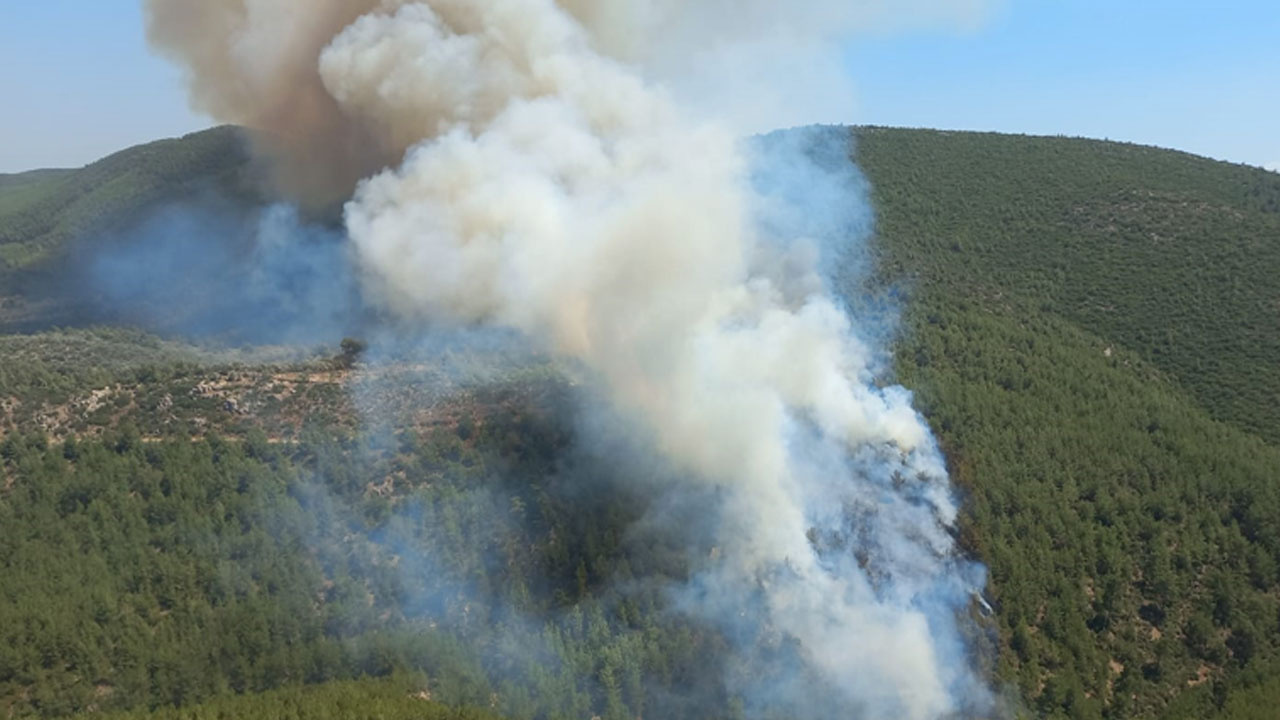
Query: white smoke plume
(754, 64)
(560, 168)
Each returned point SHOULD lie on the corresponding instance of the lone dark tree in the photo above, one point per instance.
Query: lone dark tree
(352, 349)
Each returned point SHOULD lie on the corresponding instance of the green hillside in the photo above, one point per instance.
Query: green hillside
(1171, 256)
(50, 220)
(1093, 329)
(42, 211)
(398, 698)
(177, 532)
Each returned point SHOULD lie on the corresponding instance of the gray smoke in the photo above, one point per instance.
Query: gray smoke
(211, 268)
(757, 64)
(566, 170)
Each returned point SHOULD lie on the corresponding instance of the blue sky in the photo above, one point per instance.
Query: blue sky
(77, 81)
(1200, 76)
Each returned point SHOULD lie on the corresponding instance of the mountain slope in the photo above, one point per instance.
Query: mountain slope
(53, 221)
(42, 211)
(1092, 328)
(1167, 254)
(1094, 331)
(398, 698)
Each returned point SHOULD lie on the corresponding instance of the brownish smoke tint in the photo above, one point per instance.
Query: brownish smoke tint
(254, 64)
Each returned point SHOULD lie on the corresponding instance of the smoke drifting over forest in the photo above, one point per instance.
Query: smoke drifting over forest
(573, 171)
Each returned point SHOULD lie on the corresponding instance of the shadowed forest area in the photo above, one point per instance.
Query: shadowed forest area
(199, 527)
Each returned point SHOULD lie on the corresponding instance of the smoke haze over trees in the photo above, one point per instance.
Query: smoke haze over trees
(524, 165)
(566, 401)
(1124, 519)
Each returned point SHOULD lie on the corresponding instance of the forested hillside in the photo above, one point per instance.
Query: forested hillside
(398, 698)
(1093, 330)
(41, 211)
(48, 216)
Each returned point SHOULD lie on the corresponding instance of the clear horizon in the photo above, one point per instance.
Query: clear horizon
(1199, 79)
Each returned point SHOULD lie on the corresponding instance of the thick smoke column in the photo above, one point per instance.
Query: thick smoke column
(760, 62)
(552, 182)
